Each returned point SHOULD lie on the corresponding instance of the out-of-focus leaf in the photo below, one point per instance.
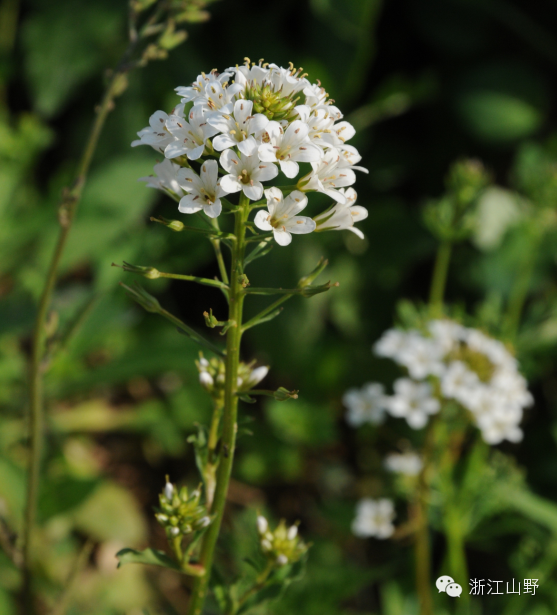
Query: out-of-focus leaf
(497, 210)
(301, 422)
(53, 72)
(150, 557)
(111, 513)
(63, 494)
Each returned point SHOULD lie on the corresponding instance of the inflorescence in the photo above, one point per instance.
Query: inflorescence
(230, 137)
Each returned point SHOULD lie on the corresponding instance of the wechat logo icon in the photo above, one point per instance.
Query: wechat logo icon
(446, 584)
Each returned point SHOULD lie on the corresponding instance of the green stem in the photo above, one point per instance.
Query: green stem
(258, 586)
(456, 546)
(268, 310)
(229, 427)
(193, 278)
(422, 547)
(66, 215)
(439, 279)
(519, 294)
(212, 463)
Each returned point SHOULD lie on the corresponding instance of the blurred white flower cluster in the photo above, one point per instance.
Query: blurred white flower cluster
(252, 120)
(282, 545)
(448, 362)
(374, 518)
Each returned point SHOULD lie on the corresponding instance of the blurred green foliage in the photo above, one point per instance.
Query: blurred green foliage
(424, 84)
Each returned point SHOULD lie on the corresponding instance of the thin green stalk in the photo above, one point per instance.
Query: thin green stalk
(422, 547)
(66, 214)
(63, 603)
(519, 294)
(456, 547)
(439, 279)
(258, 318)
(258, 586)
(212, 457)
(193, 278)
(229, 427)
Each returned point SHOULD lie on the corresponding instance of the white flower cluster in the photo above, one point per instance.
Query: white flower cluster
(374, 518)
(449, 362)
(267, 117)
(408, 463)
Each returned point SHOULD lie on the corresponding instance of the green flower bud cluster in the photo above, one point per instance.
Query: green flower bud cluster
(180, 512)
(274, 104)
(212, 375)
(452, 217)
(283, 545)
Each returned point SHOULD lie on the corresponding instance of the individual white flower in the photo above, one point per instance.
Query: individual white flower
(365, 405)
(250, 75)
(282, 217)
(501, 423)
(255, 377)
(390, 344)
(198, 88)
(328, 175)
(374, 518)
(215, 96)
(156, 135)
(512, 386)
(190, 136)
(246, 173)
(204, 190)
(458, 382)
(421, 356)
(446, 333)
(320, 123)
(315, 94)
(342, 216)
(238, 127)
(412, 401)
(286, 80)
(287, 147)
(409, 463)
(165, 178)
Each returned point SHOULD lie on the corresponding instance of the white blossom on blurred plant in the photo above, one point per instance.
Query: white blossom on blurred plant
(448, 361)
(408, 463)
(374, 518)
(365, 405)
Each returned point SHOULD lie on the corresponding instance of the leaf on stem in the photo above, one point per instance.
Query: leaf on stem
(150, 557)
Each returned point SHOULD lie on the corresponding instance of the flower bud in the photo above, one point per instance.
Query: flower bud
(262, 525)
(292, 532)
(282, 560)
(169, 491)
(174, 531)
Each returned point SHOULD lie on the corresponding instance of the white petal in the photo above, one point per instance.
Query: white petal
(222, 142)
(308, 152)
(261, 220)
(288, 167)
(175, 149)
(194, 154)
(248, 147)
(265, 172)
(187, 204)
(299, 225)
(210, 172)
(230, 183)
(356, 231)
(213, 210)
(283, 238)
(229, 161)
(254, 192)
(267, 153)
